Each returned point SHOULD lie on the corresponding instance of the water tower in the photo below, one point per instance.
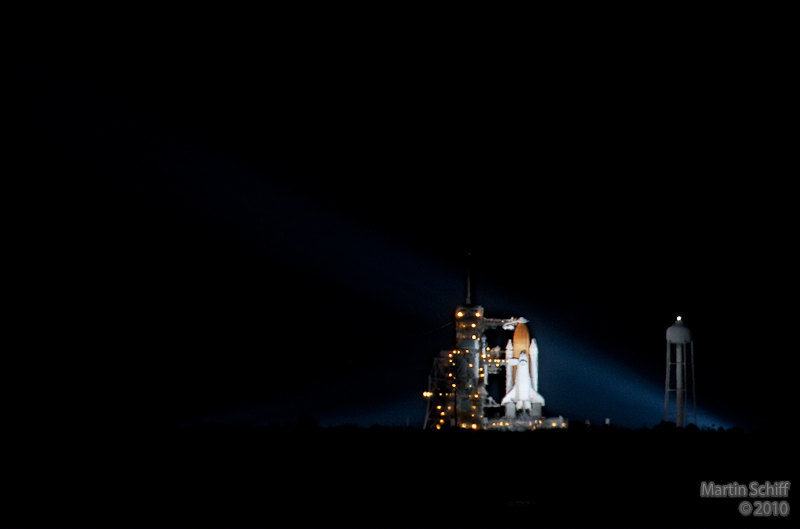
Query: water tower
(680, 352)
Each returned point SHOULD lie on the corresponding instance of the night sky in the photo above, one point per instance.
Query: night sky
(246, 226)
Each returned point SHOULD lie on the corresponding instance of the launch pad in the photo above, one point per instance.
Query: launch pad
(459, 388)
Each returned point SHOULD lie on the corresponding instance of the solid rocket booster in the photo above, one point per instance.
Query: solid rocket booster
(510, 360)
(509, 357)
(534, 350)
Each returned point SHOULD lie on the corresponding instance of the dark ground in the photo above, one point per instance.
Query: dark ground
(302, 476)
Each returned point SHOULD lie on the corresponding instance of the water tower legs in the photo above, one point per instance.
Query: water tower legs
(679, 391)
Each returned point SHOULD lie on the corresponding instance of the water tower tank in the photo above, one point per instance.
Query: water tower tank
(679, 333)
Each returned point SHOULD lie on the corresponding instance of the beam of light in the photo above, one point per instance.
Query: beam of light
(577, 379)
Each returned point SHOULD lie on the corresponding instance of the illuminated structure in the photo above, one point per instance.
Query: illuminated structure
(680, 353)
(458, 386)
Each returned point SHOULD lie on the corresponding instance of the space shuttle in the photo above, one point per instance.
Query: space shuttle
(523, 393)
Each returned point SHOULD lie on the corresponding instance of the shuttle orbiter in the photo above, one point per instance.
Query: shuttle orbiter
(523, 394)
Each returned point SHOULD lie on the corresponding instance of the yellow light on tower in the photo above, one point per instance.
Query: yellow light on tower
(459, 314)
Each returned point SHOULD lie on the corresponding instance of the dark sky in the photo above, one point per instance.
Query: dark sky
(247, 225)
